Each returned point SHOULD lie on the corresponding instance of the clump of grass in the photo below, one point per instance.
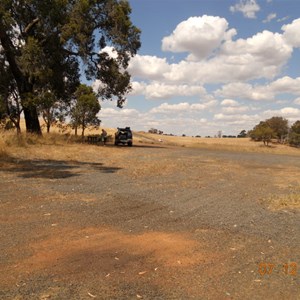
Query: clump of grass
(10, 141)
(290, 201)
(3, 150)
(51, 139)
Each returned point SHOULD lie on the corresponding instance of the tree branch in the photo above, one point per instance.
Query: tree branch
(69, 52)
(31, 25)
(9, 53)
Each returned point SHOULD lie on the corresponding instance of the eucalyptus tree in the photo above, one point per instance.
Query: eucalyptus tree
(50, 108)
(10, 106)
(294, 135)
(262, 132)
(54, 43)
(280, 126)
(84, 109)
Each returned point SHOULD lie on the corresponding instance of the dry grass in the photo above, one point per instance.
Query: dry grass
(227, 144)
(290, 201)
(59, 144)
(54, 145)
(3, 149)
(65, 147)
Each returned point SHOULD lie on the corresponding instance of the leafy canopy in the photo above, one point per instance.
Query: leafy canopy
(262, 132)
(294, 136)
(85, 108)
(49, 44)
(279, 125)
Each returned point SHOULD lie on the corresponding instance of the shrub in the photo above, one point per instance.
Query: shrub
(294, 136)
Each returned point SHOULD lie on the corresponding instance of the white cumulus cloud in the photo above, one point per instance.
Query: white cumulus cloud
(161, 90)
(245, 91)
(166, 108)
(291, 113)
(291, 33)
(241, 90)
(229, 102)
(199, 36)
(236, 119)
(248, 8)
(266, 51)
(235, 110)
(216, 71)
(261, 56)
(111, 51)
(146, 66)
(125, 112)
(286, 84)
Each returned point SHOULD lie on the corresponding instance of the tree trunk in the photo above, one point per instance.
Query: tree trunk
(18, 128)
(24, 87)
(17, 124)
(47, 119)
(32, 120)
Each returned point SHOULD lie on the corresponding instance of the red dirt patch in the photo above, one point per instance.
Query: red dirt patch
(167, 249)
(114, 256)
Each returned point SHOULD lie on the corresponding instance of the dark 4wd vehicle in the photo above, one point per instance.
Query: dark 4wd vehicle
(123, 136)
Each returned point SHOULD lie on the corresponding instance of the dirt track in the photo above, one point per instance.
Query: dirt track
(150, 223)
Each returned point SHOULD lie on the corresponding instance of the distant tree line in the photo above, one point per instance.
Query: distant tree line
(155, 131)
(276, 128)
(272, 129)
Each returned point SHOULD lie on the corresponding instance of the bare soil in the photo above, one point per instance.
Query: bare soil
(150, 222)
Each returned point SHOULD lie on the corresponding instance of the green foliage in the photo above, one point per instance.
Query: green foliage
(32, 61)
(262, 132)
(294, 136)
(280, 127)
(50, 109)
(45, 42)
(10, 107)
(85, 108)
(242, 134)
(5, 81)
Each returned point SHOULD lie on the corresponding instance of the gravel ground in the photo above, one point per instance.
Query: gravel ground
(150, 223)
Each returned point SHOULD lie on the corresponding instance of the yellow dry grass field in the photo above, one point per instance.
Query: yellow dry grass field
(66, 147)
(227, 144)
(58, 144)
(26, 145)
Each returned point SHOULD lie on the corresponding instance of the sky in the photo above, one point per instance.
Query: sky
(211, 65)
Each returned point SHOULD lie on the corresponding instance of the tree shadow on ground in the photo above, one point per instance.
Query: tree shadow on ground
(149, 146)
(155, 146)
(125, 146)
(52, 169)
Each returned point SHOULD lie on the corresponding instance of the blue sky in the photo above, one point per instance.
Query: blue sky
(210, 65)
